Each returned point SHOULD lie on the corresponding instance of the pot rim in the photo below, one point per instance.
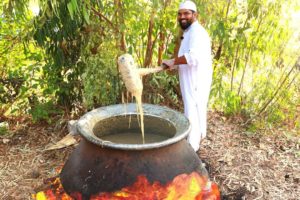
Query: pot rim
(87, 122)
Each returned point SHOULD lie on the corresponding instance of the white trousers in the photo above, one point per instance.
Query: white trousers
(196, 111)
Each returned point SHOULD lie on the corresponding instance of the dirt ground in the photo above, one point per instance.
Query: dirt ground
(243, 164)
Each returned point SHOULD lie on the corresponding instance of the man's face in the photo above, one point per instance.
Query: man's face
(185, 18)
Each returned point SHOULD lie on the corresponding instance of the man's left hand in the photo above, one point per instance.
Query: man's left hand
(169, 63)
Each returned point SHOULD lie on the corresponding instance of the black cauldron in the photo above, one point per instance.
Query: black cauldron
(97, 165)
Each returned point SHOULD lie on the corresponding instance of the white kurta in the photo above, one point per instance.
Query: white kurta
(195, 79)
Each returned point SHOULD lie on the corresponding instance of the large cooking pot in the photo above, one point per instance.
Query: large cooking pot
(98, 165)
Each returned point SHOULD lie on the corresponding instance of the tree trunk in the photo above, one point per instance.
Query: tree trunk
(219, 51)
(297, 64)
(281, 85)
(121, 41)
(161, 48)
(177, 43)
(233, 67)
(244, 71)
(248, 56)
(162, 37)
(150, 42)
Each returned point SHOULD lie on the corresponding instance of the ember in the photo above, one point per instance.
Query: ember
(182, 187)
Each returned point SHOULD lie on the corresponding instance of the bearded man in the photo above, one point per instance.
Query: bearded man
(194, 64)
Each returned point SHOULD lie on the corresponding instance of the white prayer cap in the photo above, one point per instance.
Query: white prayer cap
(189, 5)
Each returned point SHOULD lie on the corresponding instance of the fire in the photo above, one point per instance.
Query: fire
(182, 187)
(55, 193)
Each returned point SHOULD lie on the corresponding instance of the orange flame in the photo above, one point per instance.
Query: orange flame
(182, 187)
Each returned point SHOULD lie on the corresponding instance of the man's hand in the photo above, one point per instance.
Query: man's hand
(169, 63)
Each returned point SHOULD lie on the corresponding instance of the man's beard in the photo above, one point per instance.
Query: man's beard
(185, 25)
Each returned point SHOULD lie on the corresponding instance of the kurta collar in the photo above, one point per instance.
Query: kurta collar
(193, 24)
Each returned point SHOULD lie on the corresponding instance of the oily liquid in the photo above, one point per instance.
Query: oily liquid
(132, 138)
(140, 110)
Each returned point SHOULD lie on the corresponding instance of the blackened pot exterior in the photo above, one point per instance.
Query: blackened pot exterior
(97, 166)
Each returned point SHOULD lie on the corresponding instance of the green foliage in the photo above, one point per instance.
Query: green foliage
(162, 88)
(254, 45)
(101, 81)
(4, 128)
(21, 62)
(58, 31)
(233, 103)
(253, 61)
(44, 111)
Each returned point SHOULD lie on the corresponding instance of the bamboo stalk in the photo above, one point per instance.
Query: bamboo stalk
(281, 85)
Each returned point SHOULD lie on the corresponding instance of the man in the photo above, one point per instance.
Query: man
(195, 70)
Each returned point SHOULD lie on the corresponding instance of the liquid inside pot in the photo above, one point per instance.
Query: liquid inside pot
(133, 138)
(125, 129)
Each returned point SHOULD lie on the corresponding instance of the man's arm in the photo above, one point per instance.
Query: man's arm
(175, 61)
(180, 60)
